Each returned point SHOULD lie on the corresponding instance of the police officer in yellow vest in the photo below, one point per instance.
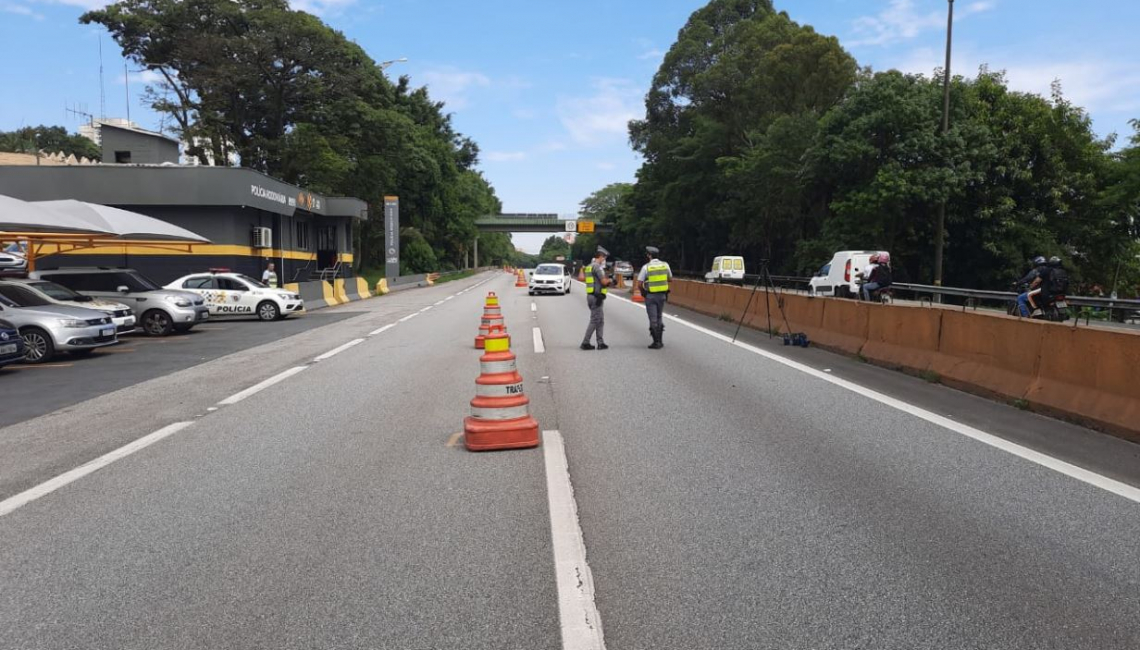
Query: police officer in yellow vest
(654, 279)
(596, 289)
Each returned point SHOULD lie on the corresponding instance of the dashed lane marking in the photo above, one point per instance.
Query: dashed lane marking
(46, 488)
(539, 346)
(337, 350)
(257, 388)
(382, 329)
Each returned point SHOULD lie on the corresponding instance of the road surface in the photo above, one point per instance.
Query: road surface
(312, 492)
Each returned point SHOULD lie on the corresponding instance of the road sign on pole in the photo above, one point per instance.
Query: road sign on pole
(392, 237)
(585, 226)
(571, 226)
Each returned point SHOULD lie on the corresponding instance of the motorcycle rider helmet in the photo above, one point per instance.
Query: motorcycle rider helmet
(1055, 261)
(1039, 260)
(885, 258)
(874, 258)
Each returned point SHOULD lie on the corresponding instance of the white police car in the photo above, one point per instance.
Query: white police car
(235, 294)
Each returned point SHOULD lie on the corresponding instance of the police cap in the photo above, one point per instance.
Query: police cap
(602, 251)
(652, 250)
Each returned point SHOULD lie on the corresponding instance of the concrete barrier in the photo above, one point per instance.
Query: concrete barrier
(902, 337)
(988, 354)
(1083, 373)
(1092, 374)
(313, 294)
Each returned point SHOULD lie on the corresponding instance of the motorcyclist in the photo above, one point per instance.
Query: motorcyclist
(879, 277)
(1026, 300)
(1055, 283)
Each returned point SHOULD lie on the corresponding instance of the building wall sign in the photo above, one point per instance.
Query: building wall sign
(269, 195)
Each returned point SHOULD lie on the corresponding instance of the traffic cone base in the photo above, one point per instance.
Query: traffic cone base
(492, 435)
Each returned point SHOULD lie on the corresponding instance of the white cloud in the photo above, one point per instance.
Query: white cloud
(602, 117)
(1105, 84)
(322, 7)
(144, 77)
(19, 10)
(454, 86)
(901, 21)
(504, 156)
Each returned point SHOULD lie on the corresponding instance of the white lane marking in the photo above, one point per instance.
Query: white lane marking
(337, 350)
(382, 329)
(252, 390)
(43, 489)
(440, 302)
(1057, 465)
(428, 308)
(533, 307)
(409, 317)
(581, 623)
(539, 347)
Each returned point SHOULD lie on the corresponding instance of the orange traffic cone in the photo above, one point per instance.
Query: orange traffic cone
(582, 274)
(621, 282)
(500, 413)
(637, 297)
(492, 318)
(521, 282)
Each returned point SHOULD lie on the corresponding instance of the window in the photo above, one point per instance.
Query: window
(57, 291)
(326, 238)
(253, 282)
(23, 296)
(229, 284)
(738, 264)
(123, 157)
(303, 242)
(200, 282)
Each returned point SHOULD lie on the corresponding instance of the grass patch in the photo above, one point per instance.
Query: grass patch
(372, 276)
(726, 317)
(931, 376)
(860, 357)
(1020, 404)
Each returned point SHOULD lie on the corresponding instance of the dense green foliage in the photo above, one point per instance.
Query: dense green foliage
(294, 98)
(553, 247)
(763, 138)
(48, 139)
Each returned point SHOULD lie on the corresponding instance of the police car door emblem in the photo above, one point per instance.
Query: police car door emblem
(237, 298)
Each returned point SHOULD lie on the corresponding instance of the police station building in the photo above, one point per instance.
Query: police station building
(250, 219)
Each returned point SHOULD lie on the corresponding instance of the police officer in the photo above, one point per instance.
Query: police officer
(654, 279)
(269, 277)
(596, 289)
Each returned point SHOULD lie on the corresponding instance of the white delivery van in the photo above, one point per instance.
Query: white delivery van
(726, 268)
(840, 276)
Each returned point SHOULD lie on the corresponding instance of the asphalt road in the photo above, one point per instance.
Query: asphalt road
(726, 501)
(31, 390)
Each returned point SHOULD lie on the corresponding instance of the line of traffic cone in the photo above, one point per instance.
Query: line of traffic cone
(521, 282)
(500, 413)
(492, 317)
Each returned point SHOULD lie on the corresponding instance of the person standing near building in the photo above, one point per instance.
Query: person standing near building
(596, 289)
(654, 278)
(269, 277)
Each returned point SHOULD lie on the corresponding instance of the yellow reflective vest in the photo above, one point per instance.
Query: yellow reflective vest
(657, 277)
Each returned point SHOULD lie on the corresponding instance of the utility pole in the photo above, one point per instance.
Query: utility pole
(939, 236)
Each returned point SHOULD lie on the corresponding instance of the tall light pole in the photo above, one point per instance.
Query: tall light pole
(384, 65)
(939, 236)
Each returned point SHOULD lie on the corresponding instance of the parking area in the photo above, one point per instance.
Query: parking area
(32, 390)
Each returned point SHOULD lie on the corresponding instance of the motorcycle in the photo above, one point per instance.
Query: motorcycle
(1054, 309)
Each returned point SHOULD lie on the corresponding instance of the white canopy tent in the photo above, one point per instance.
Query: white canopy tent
(123, 224)
(51, 227)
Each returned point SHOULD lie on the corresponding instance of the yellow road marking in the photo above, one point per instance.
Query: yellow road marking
(117, 351)
(41, 365)
(454, 439)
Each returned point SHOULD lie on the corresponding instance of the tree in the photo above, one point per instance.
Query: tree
(553, 247)
(297, 100)
(49, 139)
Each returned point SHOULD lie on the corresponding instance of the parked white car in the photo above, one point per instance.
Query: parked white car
(235, 294)
(840, 276)
(32, 293)
(726, 268)
(550, 278)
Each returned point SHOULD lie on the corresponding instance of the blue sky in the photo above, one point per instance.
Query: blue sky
(547, 87)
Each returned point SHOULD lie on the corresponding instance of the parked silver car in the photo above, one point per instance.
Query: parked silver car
(52, 329)
(12, 261)
(159, 311)
(36, 293)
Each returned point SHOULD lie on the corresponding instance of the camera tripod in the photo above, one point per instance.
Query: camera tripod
(765, 278)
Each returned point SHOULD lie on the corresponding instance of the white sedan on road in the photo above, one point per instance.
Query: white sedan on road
(550, 278)
(235, 294)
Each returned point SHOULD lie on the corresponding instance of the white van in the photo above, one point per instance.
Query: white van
(840, 276)
(726, 268)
